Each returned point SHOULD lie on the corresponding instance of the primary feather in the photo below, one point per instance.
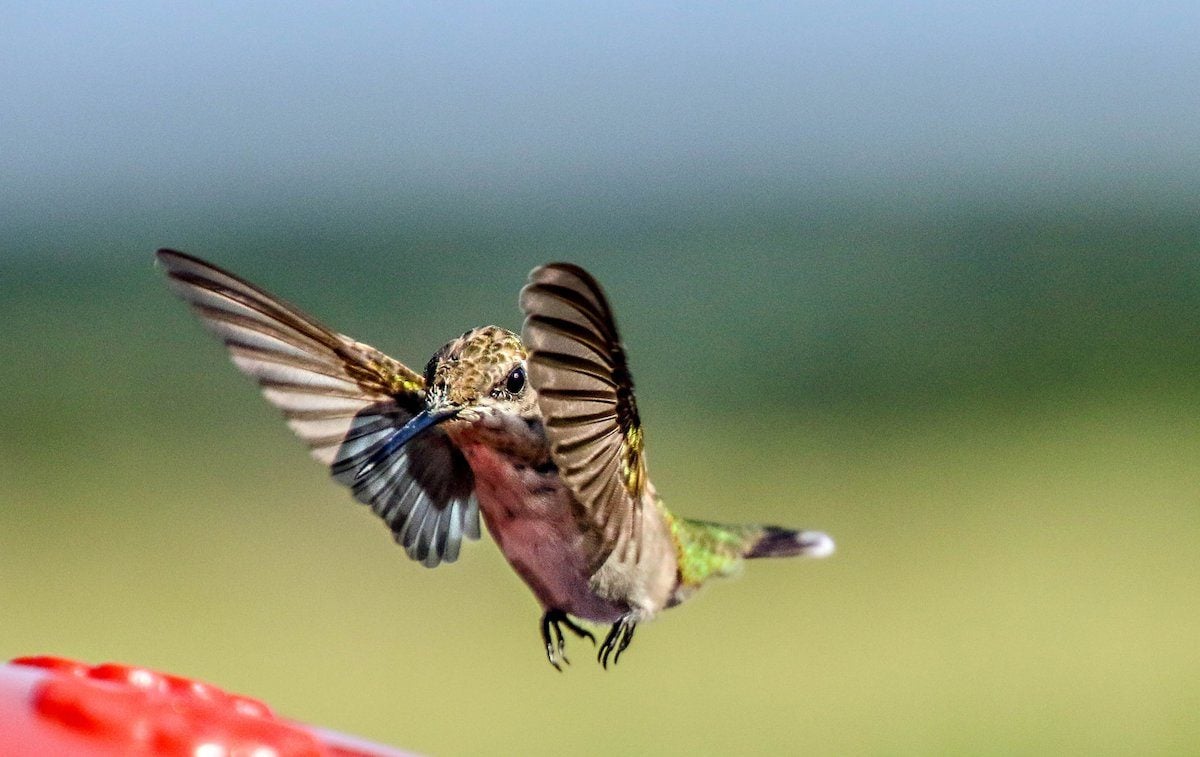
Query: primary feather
(585, 393)
(345, 399)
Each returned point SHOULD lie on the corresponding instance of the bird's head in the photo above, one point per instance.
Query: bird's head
(478, 377)
(482, 371)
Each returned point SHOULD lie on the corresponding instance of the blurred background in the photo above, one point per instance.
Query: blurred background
(925, 277)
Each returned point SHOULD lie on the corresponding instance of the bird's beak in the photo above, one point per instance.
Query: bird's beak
(417, 425)
(420, 423)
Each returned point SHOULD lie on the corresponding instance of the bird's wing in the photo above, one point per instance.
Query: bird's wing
(585, 394)
(346, 400)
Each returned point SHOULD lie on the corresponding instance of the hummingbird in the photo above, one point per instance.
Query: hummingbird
(538, 433)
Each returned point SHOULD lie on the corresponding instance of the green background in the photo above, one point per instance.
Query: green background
(984, 389)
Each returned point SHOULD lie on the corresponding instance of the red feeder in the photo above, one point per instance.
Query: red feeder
(49, 705)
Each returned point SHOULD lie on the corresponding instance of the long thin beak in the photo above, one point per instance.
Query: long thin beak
(420, 423)
(417, 425)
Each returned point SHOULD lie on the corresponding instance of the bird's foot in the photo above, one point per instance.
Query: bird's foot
(554, 620)
(618, 638)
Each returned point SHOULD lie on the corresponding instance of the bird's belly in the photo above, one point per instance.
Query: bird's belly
(529, 514)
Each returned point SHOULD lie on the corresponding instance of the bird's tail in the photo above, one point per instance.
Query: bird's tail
(773, 541)
(714, 549)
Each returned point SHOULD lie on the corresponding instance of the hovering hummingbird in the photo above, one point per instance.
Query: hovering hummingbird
(539, 433)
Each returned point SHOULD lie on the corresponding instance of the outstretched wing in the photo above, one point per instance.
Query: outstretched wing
(346, 400)
(585, 393)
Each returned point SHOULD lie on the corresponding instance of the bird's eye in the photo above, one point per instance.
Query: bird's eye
(516, 381)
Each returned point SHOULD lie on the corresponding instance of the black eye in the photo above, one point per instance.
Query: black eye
(516, 381)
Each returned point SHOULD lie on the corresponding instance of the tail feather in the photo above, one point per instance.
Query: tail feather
(709, 549)
(782, 542)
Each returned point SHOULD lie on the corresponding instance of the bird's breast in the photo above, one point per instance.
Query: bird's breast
(530, 514)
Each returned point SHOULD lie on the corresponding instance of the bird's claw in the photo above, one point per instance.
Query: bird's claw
(552, 623)
(617, 640)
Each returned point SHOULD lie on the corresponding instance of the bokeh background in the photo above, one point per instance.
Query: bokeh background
(924, 276)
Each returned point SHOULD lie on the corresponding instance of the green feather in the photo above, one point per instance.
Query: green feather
(709, 549)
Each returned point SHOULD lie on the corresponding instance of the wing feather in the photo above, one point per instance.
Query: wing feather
(346, 400)
(585, 394)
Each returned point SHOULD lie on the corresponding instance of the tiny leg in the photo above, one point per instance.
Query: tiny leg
(617, 640)
(552, 621)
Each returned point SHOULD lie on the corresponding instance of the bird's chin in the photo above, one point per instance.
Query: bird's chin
(467, 415)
